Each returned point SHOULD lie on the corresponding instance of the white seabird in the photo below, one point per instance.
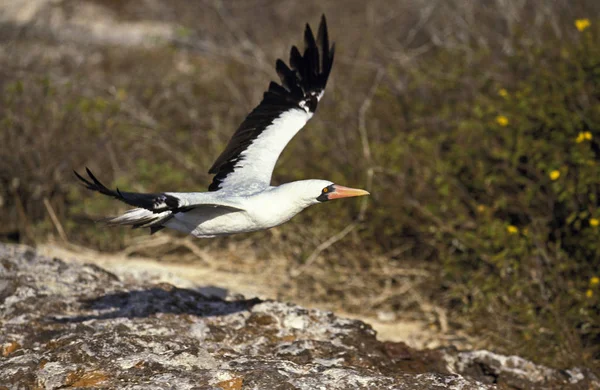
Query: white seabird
(240, 197)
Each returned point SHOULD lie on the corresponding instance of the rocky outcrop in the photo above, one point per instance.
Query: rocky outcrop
(78, 326)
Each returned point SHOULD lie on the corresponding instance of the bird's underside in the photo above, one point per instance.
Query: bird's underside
(240, 198)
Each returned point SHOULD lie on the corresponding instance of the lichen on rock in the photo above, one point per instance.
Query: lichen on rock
(68, 325)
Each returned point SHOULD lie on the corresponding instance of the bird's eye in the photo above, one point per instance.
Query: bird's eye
(325, 190)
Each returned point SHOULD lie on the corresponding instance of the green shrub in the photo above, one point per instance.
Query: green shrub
(506, 185)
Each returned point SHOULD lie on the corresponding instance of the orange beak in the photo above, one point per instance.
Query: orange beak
(345, 192)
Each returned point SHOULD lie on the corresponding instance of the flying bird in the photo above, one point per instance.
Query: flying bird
(240, 197)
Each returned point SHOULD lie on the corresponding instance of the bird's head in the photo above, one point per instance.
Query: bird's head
(336, 191)
(318, 191)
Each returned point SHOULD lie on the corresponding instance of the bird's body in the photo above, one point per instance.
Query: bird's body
(261, 210)
(241, 198)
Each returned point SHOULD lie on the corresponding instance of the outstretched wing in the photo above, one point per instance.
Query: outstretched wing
(158, 203)
(247, 162)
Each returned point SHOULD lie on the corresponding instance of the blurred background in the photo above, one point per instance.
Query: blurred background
(475, 125)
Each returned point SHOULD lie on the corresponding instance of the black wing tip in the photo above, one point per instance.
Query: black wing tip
(322, 31)
(309, 70)
(79, 176)
(94, 184)
(145, 201)
(91, 175)
(309, 37)
(313, 67)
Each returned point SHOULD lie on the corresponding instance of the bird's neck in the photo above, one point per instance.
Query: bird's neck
(277, 205)
(288, 199)
(293, 195)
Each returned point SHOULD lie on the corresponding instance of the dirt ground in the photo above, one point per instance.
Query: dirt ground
(211, 281)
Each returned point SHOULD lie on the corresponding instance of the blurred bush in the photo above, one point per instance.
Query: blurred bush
(506, 188)
(475, 126)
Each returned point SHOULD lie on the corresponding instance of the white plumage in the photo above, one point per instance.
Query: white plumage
(253, 172)
(240, 198)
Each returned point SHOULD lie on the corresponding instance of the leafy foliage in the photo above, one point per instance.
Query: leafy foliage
(508, 191)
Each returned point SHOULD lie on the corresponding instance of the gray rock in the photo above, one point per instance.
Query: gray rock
(76, 326)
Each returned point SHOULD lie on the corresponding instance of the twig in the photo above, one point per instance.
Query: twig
(239, 34)
(365, 202)
(388, 293)
(55, 220)
(187, 243)
(362, 113)
(171, 243)
(424, 17)
(235, 91)
(364, 139)
(112, 157)
(145, 244)
(428, 308)
(321, 247)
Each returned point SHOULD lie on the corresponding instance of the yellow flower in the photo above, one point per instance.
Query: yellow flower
(502, 120)
(583, 136)
(554, 175)
(589, 293)
(503, 92)
(594, 281)
(582, 24)
(481, 208)
(594, 222)
(512, 229)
